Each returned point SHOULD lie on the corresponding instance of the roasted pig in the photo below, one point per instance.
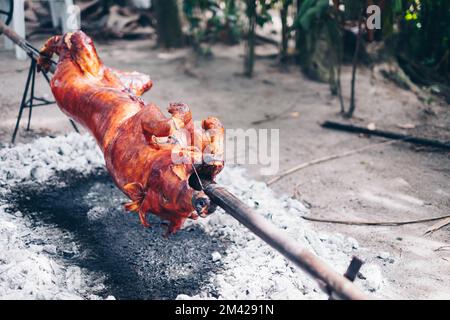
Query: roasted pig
(152, 158)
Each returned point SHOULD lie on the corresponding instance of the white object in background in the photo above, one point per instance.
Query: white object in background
(4, 5)
(18, 24)
(63, 12)
(141, 4)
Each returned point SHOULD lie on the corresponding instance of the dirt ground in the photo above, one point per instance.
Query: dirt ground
(394, 182)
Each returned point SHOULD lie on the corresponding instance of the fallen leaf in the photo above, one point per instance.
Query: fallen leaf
(406, 126)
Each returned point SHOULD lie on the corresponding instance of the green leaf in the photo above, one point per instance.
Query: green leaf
(310, 11)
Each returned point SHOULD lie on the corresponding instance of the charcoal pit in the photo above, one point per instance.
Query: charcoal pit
(137, 263)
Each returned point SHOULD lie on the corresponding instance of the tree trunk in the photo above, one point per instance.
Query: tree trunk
(284, 30)
(352, 107)
(168, 24)
(298, 35)
(336, 4)
(250, 44)
(370, 32)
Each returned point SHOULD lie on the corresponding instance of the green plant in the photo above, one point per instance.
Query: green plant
(258, 13)
(425, 34)
(212, 20)
(320, 41)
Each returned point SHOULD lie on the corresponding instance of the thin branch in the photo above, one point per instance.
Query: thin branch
(443, 248)
(325, 159)
(272, 117)
(380, 224)
(438, 226)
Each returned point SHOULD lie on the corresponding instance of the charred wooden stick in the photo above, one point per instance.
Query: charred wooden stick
(327, 278)
(386, 134)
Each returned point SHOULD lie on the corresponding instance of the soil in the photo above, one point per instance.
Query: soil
(393, 182)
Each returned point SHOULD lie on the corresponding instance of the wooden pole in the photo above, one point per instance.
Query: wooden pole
(21, 42)
(331, 281)
(327, 278)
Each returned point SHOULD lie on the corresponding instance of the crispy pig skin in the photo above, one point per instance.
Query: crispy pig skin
(137, 140)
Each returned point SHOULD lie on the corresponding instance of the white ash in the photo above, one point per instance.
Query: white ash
(215, 256)
(29, 267)
(39, 160)
(384, 255)
(97, 213)
(34, 271)
(372, 276)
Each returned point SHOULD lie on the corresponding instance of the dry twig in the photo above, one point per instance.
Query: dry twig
(438, 226)
(381, 223)
(325, 159)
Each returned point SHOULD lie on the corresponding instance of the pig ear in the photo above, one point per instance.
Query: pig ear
(134, 190)
(83, 53)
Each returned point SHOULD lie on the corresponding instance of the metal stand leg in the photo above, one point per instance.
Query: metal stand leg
(30, 104)
(74, 126)
(33, 101)
(24, 99)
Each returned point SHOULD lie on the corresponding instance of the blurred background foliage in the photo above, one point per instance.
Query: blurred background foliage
(317, 35)
(424, 38)
(322, 29)
(210, 21)
(322, 35)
